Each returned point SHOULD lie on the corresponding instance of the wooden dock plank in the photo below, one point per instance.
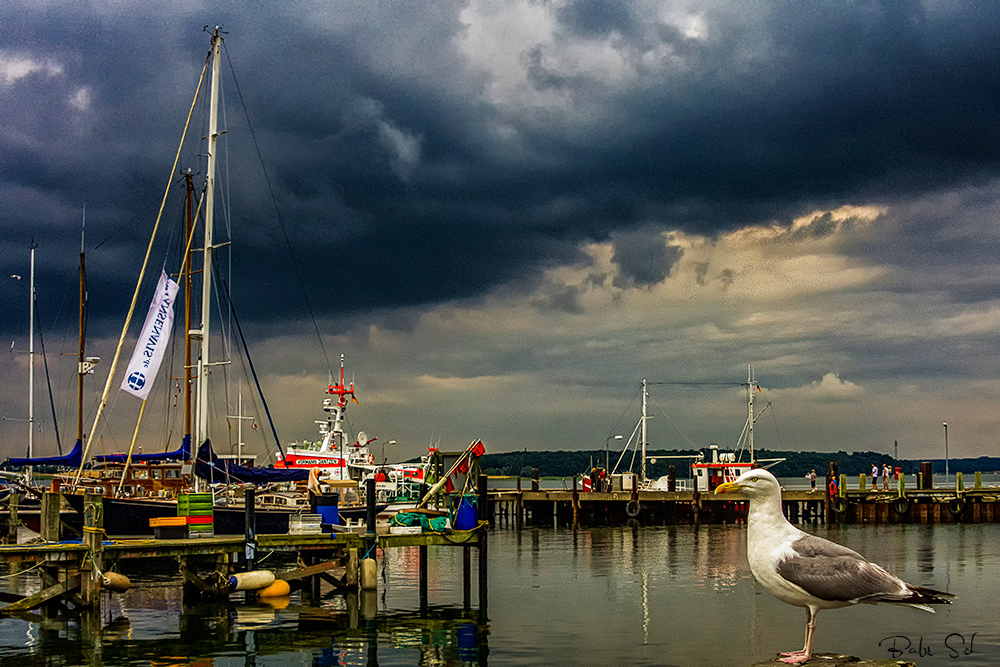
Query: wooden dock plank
(302, 572)
(42, 596)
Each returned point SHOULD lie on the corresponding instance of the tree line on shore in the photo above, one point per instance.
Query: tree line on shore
(562, 463)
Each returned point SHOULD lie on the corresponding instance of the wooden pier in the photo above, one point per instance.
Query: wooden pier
(76, 575)
(908, 501)
(514, 509)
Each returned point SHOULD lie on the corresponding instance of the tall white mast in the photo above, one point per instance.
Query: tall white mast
(31, 364)
(645, 416)
(201, 428)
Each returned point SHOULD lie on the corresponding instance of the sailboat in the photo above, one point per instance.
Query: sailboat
(706, 474)
(140, 486)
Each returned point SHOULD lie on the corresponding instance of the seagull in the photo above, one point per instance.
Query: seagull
(808, 571)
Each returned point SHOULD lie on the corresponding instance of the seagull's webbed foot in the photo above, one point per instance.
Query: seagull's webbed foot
(795, 657)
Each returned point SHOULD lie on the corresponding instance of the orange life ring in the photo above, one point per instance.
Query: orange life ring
(833, 488)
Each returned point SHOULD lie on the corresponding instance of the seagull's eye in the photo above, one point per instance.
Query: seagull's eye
(753, 479)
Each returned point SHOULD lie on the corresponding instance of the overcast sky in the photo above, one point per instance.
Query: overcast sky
(507, 214)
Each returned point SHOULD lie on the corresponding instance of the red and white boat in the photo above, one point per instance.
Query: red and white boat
(333, 457)
(331, 454)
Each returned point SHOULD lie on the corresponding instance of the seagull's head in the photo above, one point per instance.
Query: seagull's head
(757, 483)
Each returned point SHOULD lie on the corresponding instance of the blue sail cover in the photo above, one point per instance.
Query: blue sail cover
(211, 467)
(71, 460)
(182, 454)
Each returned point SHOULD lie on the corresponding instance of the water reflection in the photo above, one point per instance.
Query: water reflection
(646, 596)
(347, 632)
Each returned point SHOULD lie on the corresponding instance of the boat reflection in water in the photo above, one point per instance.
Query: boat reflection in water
(345, 630)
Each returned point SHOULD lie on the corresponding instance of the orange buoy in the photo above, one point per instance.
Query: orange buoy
(279, 588)
(115, 582)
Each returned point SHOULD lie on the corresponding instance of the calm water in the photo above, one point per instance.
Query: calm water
(614, 596)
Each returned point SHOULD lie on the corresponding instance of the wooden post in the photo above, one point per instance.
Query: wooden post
(483, 551)
(250, 533)
(371, 535)
(353, 569)
(927, 473)
(422, 550)
(576, 505)
(13, 522)
(466, 577)
(534, 479)
(51, 504)
(93, 539)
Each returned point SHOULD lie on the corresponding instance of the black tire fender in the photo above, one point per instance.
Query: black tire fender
(956, 506)
(632, 508)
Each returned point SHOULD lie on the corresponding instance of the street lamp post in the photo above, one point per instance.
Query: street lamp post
(391, 442)
(946, 452)
(607, 452)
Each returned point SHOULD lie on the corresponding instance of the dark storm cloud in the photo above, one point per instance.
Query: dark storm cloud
(643, 257)
(383, 151)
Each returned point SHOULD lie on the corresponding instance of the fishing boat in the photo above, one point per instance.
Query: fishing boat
(706, 472)
(331, 454)
(727, 466)
(331, 458)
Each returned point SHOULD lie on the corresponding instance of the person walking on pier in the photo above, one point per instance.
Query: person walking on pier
(885, 476)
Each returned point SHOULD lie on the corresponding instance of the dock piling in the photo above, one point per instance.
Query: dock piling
(93, 539)
(926, 475)
(50, 506)
(12, 521)
(422, 557)
(250, 533)
(483, 551)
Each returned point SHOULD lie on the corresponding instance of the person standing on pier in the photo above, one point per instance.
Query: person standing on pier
(874, 477)
(885, 476)
(812, 479)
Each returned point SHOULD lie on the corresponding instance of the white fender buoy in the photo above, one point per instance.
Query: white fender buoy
(251, 581)
(369, 574)
(115, 582)
(279, 588)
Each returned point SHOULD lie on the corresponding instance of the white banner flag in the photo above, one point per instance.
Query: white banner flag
(153, 340)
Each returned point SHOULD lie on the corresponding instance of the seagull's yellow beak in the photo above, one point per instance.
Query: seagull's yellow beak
(727, 487)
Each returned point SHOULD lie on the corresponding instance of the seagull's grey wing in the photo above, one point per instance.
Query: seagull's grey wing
(830, 571)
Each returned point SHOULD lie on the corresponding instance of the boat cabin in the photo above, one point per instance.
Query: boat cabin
(143, 480)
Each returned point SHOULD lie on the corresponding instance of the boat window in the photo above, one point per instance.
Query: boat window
(157, 474)
(139, 473)
(172, 473)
